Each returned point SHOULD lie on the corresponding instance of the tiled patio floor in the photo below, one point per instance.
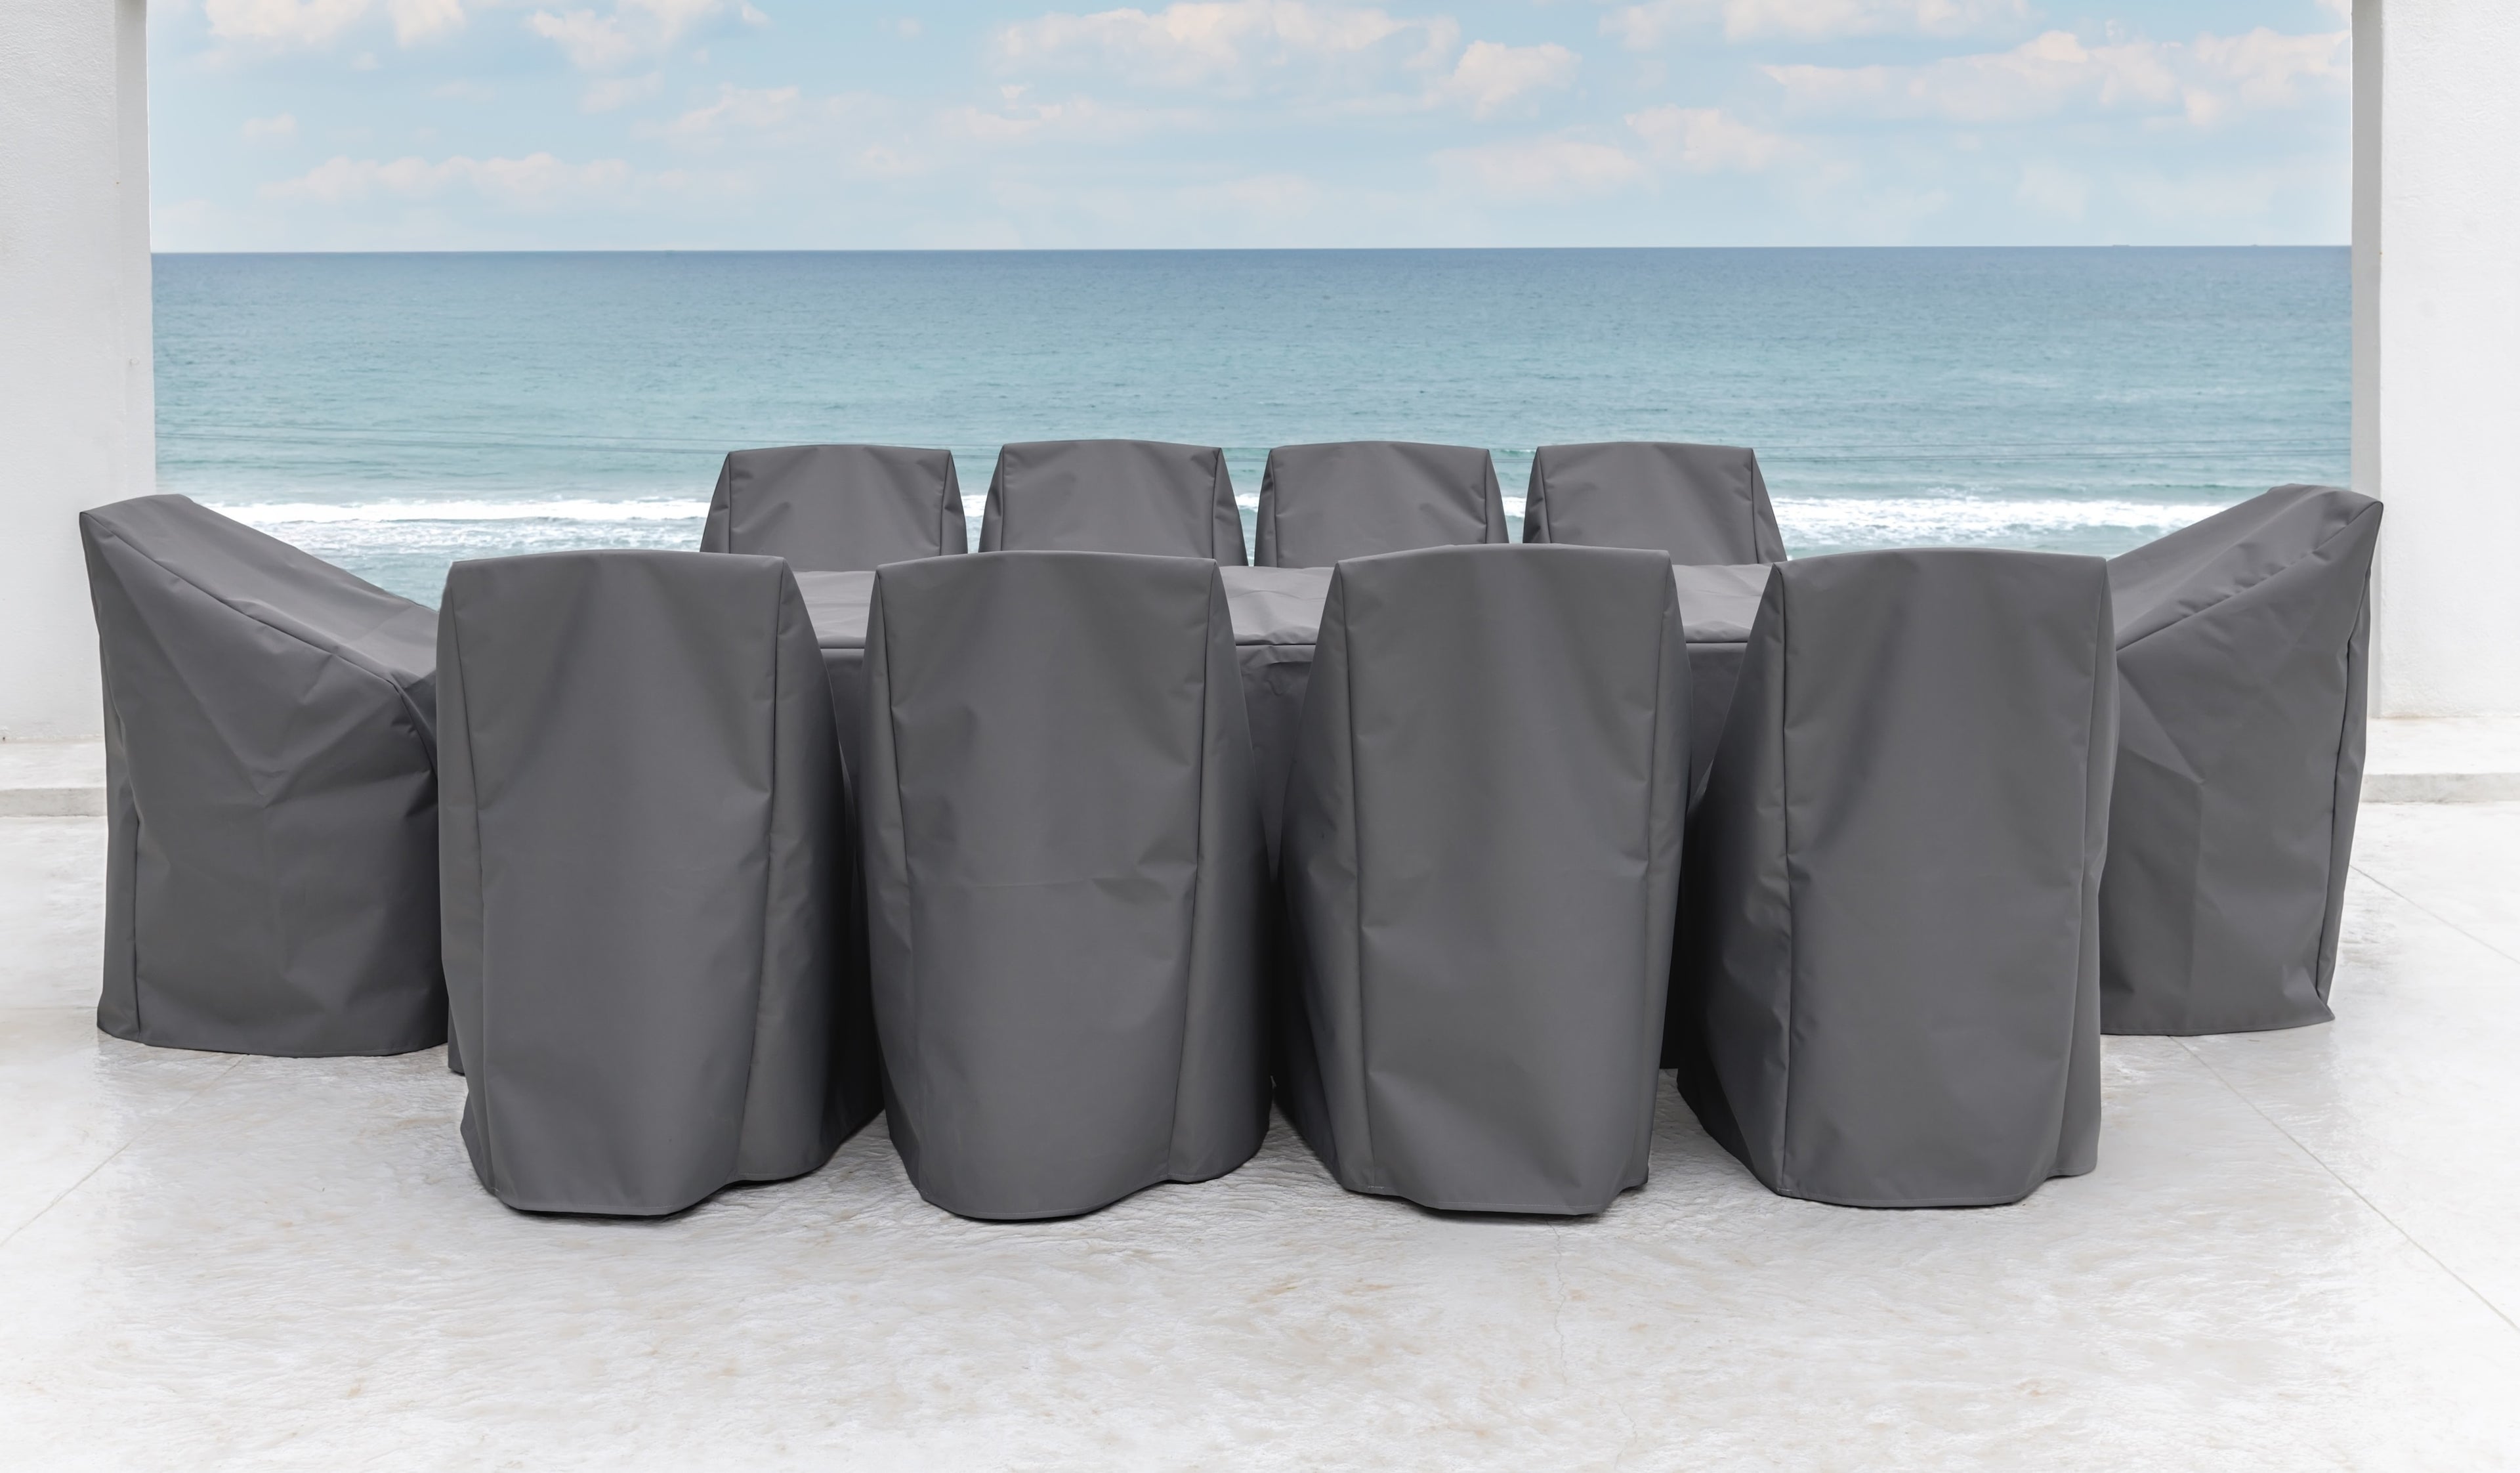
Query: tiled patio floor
(2301, 1250)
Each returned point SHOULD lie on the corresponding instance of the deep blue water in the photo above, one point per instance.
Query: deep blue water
(394, 412)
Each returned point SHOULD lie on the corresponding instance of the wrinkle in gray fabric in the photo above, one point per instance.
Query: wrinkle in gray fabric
(837, 508)
(1065, 879)
(271, 882)
(1887, 990)
(1321, 504)
(1112, 495)
(1480, 864)
(645, 880)
(1699, 504)
(2243, 665)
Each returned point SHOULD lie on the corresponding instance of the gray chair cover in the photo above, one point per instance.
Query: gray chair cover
(1065, 879)
(2241, 665)
(1277, 612)
(1718, 604)
(1888, 985)
(271, 793)
(644, 858)
(1698, 503)
(1323, 504)
(1481, 864)
(1112, 495)
(837, 508)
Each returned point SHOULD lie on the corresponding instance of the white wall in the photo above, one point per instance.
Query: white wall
(2436, 344)
(76, 407)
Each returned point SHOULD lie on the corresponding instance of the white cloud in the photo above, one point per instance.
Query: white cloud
(753, 108)
(2203, 81)
(1704, 140)
(1017, 120)
(614, 93)
(1491, 76)
(1225, 42)
(1542, 167)
(316, 22)
(535, 181)
(279, 126)
(590, 41)
(297, 22)
(419, 20)
(1643, 27)
(633, 29)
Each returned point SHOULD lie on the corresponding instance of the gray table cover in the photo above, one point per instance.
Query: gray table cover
(1887, 989)
(1481, 859)
(837, 508)
(1065, 879)
(271, 793)
(641, 844)
(1112, 495)
(1319, 504)
(2243, 663)
(1697, 503)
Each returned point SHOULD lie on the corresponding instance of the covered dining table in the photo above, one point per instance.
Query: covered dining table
(1277, 612)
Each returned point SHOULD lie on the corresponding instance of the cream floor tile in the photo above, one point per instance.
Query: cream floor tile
(52, 912)
(265, 1262)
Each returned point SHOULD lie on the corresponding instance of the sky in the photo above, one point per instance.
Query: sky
(599, 124)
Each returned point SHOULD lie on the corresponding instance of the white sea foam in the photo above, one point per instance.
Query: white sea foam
(268, 514)
(1910, 520)
(1810, 523)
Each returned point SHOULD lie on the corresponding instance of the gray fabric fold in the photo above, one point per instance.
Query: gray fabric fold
(1704, 504)
(645, 880)
(1887, 987)
(1112, 495)
(1321, 504)
(2242, 662)
(1481, 859)
(837, 508)
(1065, 879)
(1717, 606)
(271, 794)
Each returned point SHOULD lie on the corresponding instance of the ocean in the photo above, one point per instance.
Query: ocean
(393, 413)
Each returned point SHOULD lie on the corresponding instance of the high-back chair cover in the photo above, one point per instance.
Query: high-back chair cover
(1323, 504)
(1888, 985)
(1481, 861)
(645, 872)
(2243, 663)
(271, 793)
(837, 508)
(1112, 495)
(1065, 879)
(1704, 504)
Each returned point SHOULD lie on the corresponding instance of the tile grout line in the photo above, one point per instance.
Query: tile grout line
(116, 1154)
(2420, 909)
(2338, 1177)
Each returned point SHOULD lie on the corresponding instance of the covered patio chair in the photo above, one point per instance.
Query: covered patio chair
(1112, 495)
(271, 793)
(1065, 879)
(837, 508)
(1700, 504)
(1323, 504)
(645, 880)
(1888, 985)
(2243, 663)
(1482, 860)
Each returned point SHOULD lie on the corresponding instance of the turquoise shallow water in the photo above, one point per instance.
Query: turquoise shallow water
(394, 412)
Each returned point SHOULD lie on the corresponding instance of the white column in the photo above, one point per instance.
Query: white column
(2437, 345)
(77, 410)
